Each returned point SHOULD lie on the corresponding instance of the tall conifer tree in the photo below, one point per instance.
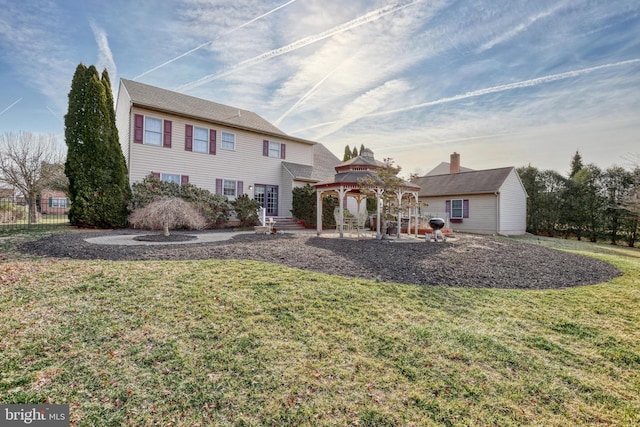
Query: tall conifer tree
(98, 184)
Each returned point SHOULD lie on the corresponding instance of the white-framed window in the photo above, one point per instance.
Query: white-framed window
(152, 131)
(59, 202)
(274, 149)
(228, 141)
(168, 177)
(457, 208)
(229, 187)
(200, 140)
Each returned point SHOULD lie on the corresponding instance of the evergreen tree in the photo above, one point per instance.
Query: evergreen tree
(354, 153)
(361, 149)
(347, 153)
(98, 183)
(576, 164)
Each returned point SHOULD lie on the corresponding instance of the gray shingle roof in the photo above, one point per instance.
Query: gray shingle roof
(444, 168)
(324, 163)
(155, 98)
(473, 182)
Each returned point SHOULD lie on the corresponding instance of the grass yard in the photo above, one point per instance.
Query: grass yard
(244, 343)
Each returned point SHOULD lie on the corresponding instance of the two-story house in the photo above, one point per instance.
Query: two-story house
(223, 149)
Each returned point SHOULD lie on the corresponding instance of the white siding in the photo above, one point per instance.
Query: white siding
(482, 212)
(123, 121)
(513, 206)
(246, 163)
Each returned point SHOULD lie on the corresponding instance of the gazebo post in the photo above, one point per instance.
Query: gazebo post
(379, 192)
(318, 212)
(416, 213)
(399, 194)
(341, 194)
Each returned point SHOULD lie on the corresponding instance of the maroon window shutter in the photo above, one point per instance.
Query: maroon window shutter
(156, 175)
(465, 208)
(283, 148)
(188, 138)
(218, 186)
(240, 188)
(138, 123)
(167, 134)
(265, 148)
(184, 179)
(448, 207)
(212, 141)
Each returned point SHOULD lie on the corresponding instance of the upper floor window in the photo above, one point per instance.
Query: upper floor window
(152, 131)
(200, 140)
(274, 149)
(228, 141)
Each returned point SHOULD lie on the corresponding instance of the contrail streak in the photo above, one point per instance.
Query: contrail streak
(217, 38)
(55, 115)
(304, 97)
(364, 19)
(501, 88)
(9, 107)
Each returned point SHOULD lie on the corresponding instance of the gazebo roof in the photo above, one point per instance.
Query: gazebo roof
(351, 173)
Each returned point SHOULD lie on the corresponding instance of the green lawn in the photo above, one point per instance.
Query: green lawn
(240, 343)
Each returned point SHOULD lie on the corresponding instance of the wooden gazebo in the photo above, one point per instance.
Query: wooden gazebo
(348, 181)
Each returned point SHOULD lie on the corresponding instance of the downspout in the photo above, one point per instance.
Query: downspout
(497, 194)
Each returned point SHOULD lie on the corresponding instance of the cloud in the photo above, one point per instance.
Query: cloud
(298, 44)
(517, 29)
(105, 57)
(34, 47)
(208, 43)
(476, 93)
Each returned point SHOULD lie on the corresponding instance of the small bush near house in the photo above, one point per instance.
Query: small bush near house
(215, 208)
(246, 210)
(168, 213)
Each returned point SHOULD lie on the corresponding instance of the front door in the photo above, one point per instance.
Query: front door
(267, 196)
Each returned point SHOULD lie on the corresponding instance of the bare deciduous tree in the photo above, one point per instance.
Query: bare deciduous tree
(27, 164)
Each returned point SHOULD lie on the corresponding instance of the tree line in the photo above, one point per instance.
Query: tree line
(589, 203)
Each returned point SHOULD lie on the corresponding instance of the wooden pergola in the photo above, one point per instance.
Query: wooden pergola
(348, 182)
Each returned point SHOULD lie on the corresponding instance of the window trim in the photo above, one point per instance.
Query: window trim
(195, 140)
(59, 202)
(461, 208)
(272, 150)
(235, 187)
(160, 132)
(223, 142)
(164, 174)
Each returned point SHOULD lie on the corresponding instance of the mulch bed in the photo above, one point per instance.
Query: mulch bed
(469, 261)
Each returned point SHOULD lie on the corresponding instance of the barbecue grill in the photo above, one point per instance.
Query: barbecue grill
(436, 224)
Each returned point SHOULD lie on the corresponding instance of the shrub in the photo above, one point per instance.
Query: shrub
(168, 213)
(214, 208)
(304, 206)
(246, 210)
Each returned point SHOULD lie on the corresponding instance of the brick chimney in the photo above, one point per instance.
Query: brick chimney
(454, 166)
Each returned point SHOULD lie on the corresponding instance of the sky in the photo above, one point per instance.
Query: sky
(503, 83)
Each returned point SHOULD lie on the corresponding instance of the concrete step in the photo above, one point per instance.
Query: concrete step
(285, 224)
